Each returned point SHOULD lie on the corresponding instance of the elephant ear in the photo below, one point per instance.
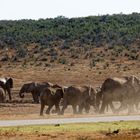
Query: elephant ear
(53, 91)
(136, 83)
(130, 80)
(61, 91)
(9, 82)
(136, 79)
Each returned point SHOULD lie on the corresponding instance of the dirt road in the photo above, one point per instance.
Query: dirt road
(67, 120)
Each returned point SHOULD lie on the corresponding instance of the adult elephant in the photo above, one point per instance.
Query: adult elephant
(34, 88)
(123, 89)
(92, 100)
(2, 95)
(81, 96)
(7, 84)
(51, 96)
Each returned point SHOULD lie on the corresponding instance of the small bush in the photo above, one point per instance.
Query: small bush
(92, 63)
(21, 52)
(62, 61)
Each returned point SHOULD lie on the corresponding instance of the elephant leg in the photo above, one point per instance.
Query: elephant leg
(3, 98)
(5, 92)
(87, 108)
(57, 109)
(103, 106)
(137, 105)
(64, 107)
(35, 97)
(80, 109)
(74, 109)
(107, 107)
(97, 107)
(130, 108)
(105, 101)
(42, 108)
(49, 108)
(122, 107)
(112, 107)
(9, 93)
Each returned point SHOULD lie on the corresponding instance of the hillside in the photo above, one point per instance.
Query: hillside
(75, 36)
(100, 46)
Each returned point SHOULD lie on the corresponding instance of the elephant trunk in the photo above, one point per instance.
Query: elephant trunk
(22, 91)
(21, 94)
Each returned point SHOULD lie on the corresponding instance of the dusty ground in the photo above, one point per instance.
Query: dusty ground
(66, 75)
(69, 136)
(31, 111)
(80, 74)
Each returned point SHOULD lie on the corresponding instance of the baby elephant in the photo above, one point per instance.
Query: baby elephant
(51, 96)
(2, 96)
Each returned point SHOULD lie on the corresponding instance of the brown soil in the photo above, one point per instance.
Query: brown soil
(126, 135)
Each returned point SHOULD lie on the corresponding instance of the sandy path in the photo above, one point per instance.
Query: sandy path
(67, 120)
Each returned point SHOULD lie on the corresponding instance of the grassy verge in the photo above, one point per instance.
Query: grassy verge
(83, 131)
(81, 127)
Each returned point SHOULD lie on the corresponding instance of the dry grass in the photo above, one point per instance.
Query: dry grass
(90, 131)
(80, 74)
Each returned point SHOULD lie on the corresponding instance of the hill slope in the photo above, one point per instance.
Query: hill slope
(100, 42)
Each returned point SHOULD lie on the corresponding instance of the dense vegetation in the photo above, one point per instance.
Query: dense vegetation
(93, 30)
(62, 40)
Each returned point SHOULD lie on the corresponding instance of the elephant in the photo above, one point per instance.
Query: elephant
(92, 101)
(35, 89)
(7, 84)
(81, 96)
(51, 96)
(2, 95)
(124, 90)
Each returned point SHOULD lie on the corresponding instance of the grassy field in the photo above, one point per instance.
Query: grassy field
(85, 131)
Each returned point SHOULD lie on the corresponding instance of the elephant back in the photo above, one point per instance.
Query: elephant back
(113, 83)
(73, 91)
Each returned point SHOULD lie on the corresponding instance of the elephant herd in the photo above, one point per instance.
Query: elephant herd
(125, 90)
(53, 95)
